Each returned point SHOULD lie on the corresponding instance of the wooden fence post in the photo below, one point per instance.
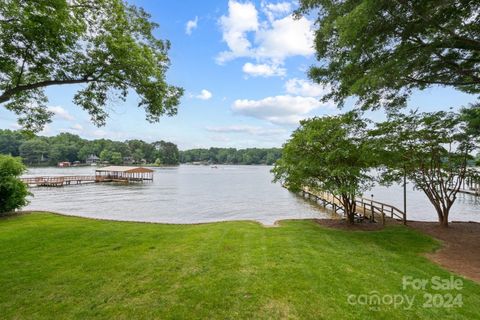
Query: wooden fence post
(383, 214)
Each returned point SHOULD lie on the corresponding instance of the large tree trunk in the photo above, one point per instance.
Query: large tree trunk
(442, 203)
(350, 217)
(443, 217)
(445, 221)
(441, 188)
(349, 206)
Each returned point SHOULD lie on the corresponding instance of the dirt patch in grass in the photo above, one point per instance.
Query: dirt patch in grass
(6, 215)
(460, 252)
(276, 309)
(344, 225)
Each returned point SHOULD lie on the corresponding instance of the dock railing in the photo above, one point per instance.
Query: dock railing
(57, 180)
(368, 208)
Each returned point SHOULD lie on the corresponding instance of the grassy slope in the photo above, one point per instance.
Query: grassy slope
(64, 267)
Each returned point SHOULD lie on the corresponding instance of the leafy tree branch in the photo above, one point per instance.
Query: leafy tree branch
(106, 46)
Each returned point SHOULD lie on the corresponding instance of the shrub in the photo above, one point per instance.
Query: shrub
(13, 192)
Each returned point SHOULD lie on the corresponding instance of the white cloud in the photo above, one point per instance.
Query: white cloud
(61, 113)
(283, 109)
(116, 134)
(77, 127)
(241, 18)
(274, 39)
(220, 138)
(273, 10)
(305, 88)
(99, 133)
(263, 70)
(204, 95)
(286, 37)
(253, 130)
(191, 25)
(47, 131)
(281, 7)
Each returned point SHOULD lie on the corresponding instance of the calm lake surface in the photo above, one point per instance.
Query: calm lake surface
(195, 194)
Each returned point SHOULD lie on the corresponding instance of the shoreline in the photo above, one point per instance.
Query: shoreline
(358, 226)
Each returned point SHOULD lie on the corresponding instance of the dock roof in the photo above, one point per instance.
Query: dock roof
(126, 169)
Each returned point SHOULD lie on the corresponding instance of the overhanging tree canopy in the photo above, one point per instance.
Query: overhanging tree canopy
(107, 45)
(380, 50)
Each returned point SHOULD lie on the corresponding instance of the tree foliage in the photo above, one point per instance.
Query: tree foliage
(166, 152)
(13, 192)
(231, 156)
(34, 151)
(107, 45)
(471, 116)
(432, 149)
(328, 154)
(380, 50)
(10, 142)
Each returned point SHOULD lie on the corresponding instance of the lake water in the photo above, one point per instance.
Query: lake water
(195, 194)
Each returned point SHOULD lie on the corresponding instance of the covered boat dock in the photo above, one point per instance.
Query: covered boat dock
(123, 174)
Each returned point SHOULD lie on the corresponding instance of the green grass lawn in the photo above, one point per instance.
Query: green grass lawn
(64, 267)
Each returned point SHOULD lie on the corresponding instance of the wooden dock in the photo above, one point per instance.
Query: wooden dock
(471, 185)
(121, 174)
(365, 208)
(58, 181)
(124, 174)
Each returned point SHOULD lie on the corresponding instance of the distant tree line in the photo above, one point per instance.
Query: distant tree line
(231, 156)
(38, 150)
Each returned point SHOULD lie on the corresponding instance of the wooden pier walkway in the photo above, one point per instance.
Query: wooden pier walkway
(471, 185)
(365, 208)
(58, 181)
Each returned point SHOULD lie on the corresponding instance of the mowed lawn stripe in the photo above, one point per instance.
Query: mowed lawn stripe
(67, 267)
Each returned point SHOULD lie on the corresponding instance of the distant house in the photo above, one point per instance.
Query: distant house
(128, 160)
(64, 164)
(92, 159)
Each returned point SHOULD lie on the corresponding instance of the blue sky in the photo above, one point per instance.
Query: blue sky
(243, 66)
